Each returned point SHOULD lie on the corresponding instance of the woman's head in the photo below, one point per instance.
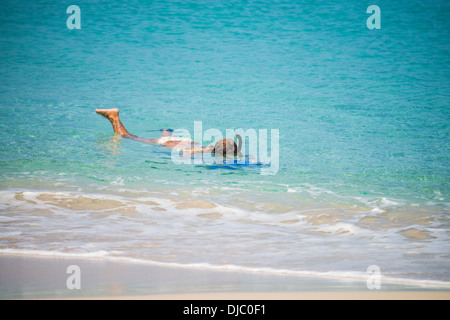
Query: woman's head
(228, 147)
(224, 147)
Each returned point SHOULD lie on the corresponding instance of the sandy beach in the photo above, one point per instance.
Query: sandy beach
(336, 120)
(330, 295)
(28, 277)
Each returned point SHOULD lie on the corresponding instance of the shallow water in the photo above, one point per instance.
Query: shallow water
(362, 114)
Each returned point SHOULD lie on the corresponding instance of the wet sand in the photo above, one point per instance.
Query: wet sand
(328, 295)
(32, 277)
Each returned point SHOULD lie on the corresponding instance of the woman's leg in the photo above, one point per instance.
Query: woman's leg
(113, 116)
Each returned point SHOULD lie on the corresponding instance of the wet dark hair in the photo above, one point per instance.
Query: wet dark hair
(168, 130)
(224, 146)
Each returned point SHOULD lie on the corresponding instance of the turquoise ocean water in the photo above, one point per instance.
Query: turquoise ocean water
(363, 117)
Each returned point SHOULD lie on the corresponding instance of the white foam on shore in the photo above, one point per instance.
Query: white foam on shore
(49, 222)
(336, 275)
(342, 228)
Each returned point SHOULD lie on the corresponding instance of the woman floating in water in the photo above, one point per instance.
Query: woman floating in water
(186, 146)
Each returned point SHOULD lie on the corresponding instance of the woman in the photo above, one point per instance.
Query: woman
(222, 148)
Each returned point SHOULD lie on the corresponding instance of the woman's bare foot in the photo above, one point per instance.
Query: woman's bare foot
(110, 114)
(113, 116)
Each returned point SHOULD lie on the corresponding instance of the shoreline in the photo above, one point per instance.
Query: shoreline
(44, 277)
(288, 296)
(339, 276)
(29, 216)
